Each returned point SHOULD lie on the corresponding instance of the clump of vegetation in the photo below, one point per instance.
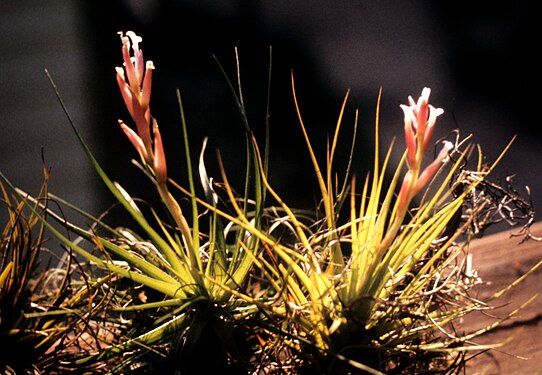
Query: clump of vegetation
(371, 281)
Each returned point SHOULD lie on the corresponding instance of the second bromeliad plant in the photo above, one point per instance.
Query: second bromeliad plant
(266, 289)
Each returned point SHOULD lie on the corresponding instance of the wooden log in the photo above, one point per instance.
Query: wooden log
(500, 260)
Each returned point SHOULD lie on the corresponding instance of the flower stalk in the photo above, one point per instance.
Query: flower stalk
(135, 84)
(419, 120)
(160, 169)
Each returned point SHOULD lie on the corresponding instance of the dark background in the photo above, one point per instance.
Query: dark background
(479, 61)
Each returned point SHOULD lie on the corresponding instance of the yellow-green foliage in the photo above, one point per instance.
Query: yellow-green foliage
(376, 291)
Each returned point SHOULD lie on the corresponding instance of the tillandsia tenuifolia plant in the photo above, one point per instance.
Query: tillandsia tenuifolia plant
(370, 283)
(40, 306)
(20, 243)
(198, 278)
(382, 291)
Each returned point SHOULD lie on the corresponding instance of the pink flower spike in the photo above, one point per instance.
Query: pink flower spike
(125, 91)
(160, 167)
(409, 135)
(147, 83)
(424, 97)
(135, 139)
(432, 168)
(128, 63)
(404, 196)
(135, 39)
(138, 55)
(433, 114)
(421, 112)
(142, 120)
(139, 66)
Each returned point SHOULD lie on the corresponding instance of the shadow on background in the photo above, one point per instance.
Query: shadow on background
(479, 61)
(182, 40)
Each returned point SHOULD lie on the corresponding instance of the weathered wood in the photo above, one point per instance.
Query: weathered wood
(500, 260)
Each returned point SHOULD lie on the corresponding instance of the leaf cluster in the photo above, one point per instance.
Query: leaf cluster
(246, 283)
